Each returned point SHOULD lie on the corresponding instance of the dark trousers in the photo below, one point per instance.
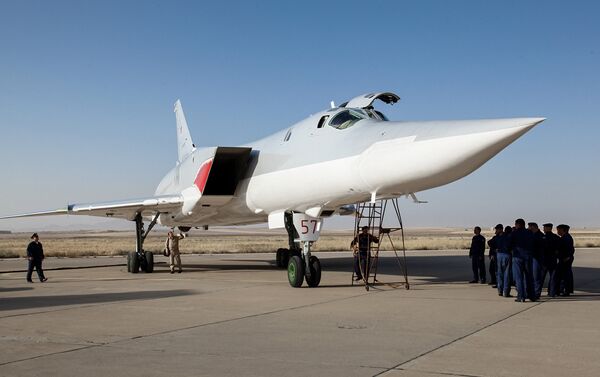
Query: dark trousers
(538, 276)
(550, 269)
(564, 278)
(493, 269)
(37, 263)
(478, 266)
(504, 277)
(361, 261)
(522, 268)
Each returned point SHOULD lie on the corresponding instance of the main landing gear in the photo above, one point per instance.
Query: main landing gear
(139, 259)
(298, 260)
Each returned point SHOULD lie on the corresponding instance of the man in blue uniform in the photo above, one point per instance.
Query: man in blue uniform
(477, 255)
(551, 242)
(35, 256)
(361, 245)
(537, 259)
(521, 241)
(503, 276)
(566, 255)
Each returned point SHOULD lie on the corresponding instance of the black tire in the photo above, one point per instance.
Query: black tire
(295, 271)
(135, 263)
(279, 258)
(149, 262)
(315, 272)
(285, 258)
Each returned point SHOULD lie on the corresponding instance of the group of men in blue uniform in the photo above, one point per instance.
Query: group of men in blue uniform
(523, 257)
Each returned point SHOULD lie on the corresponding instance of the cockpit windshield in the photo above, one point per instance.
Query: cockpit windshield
(347, 118)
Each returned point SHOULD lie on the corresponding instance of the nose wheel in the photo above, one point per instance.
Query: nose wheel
(297, 271)
(302, 231)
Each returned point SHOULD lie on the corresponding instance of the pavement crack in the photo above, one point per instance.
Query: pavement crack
(51, 354)
(398, 367)
(441, 373)
(109, 344)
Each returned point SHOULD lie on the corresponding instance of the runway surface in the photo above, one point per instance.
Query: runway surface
(236, 315)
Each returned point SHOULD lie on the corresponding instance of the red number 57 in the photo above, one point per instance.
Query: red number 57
(305, 226)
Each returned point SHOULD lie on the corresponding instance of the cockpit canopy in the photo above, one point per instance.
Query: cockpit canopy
(357, 109)
(347, 118)
(366, 100)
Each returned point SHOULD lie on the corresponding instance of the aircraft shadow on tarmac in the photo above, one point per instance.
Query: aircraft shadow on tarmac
(15, 289)
(428, 269)
(31, 302)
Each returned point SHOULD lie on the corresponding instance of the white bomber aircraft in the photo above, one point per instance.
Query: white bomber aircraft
(313, 169)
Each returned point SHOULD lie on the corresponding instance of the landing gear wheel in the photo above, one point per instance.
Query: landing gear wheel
(315, 272)
(407, 286)
(285, 258)
(134, 263)
(282, 258)
(143, 263)
(149, 262)
(295, 271)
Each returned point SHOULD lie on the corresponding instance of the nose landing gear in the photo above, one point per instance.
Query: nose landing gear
(302, 230)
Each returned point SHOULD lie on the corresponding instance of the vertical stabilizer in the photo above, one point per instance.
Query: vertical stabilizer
(185, 145)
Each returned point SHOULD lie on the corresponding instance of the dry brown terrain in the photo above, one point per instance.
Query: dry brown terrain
(60, 244)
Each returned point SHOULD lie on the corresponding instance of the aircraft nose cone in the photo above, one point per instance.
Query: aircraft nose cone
(528, 123)
(440, 152)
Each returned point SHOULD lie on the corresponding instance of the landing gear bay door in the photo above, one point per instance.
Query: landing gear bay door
(308, 227)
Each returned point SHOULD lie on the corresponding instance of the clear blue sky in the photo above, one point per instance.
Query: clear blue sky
(87, 88)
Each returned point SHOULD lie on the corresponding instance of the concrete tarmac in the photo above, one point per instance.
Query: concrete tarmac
(236, 315)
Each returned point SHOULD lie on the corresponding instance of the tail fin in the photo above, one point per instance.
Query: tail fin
(185, 145)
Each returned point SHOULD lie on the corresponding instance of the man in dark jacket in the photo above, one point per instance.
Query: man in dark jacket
(35, 256)
(551, 242)
(521, 241)
(537, 264)
(566, 255)
(477, 255)
(493, 255)
(361, 245)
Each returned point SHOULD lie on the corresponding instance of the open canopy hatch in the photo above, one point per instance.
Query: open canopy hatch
(366, 100)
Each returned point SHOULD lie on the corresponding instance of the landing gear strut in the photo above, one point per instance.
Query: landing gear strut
(299, 262)
(284, 256)
(139, 259)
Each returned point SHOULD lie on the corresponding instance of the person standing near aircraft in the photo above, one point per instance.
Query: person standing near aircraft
(35, 256)
(551, 242)
(566, 253)
(172, 246)
(361, 245)
(477, 255)
(493, 255)
(521, 241)
(503, 275)
(537, 261)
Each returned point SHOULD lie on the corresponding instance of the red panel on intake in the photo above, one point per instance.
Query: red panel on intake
(202, 175)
